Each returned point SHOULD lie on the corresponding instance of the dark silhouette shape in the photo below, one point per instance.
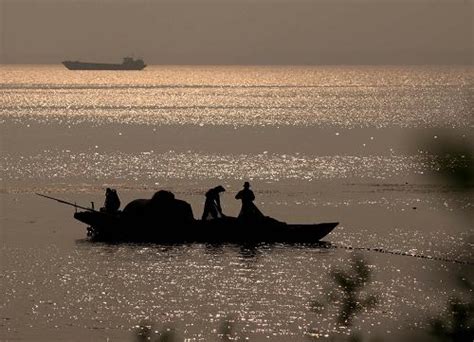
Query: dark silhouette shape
(455, 162)
(127, 64)
(162, 209)
(140, 221)
(249, 209)
(456, 166)
(163, 197)
(112, 201)
(456, 324)
(350, 291)
(165, 219)
(68, 203)
(212, 206)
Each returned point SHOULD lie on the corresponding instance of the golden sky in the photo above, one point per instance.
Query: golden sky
(238, 32)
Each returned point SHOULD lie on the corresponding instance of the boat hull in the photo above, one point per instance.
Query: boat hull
(114, 228)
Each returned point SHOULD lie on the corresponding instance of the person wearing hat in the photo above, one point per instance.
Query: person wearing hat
(249, 209)
(212, 206)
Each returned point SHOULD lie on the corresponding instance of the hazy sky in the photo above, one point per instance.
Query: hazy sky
(238, 32)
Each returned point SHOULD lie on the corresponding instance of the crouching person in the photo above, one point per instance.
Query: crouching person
(112, 202)
(212, 206)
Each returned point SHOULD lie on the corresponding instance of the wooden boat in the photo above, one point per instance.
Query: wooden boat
(164, 219)
(117, 228)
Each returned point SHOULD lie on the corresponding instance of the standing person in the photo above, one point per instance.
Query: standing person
(212, 206)
(249, 209)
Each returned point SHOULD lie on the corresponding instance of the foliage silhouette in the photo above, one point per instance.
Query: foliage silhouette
(457, 323)
(455, 163)
(456, 166)
(351, 285)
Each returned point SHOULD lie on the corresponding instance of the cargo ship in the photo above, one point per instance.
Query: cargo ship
(127, 64)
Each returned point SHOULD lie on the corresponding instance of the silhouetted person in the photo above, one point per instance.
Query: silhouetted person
(249, 210)
(212, 206)
(112, 201)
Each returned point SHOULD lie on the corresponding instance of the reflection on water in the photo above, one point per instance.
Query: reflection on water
(242, 96)
(149, 166)
(266, 288)
(311, 139)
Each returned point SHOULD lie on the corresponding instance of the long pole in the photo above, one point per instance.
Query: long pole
(66, 202)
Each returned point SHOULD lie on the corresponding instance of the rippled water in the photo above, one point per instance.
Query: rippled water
(350, 144)
(239, 96)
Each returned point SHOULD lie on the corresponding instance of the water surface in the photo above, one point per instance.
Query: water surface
(347, 144)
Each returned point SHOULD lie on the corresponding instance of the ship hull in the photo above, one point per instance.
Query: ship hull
(102, 66)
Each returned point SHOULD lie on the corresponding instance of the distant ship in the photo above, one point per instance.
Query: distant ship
(127, 64)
